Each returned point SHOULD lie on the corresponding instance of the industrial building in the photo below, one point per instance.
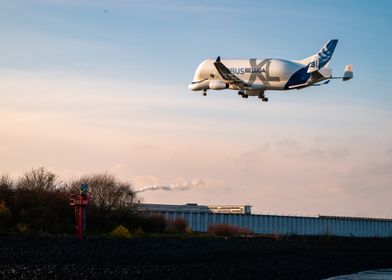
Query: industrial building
(194, 208)
(200, 217)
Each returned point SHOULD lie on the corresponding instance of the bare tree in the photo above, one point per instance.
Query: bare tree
(106, 190)
(6, 188)
(39, 179)
(6, 182)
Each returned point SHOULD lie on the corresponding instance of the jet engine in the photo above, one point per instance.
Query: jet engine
(217, 85)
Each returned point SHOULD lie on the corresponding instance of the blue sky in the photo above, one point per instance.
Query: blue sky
(84, 91)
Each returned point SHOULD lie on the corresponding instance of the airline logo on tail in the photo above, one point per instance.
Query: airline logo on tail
(325, 54)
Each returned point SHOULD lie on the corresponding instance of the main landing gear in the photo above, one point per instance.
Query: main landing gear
(205, 92)
(243, 94)
(262, 97)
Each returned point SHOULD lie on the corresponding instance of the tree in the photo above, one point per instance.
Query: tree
(39, 179)
(107, 192)
(6, 188)
(5, 215)
(6, 183)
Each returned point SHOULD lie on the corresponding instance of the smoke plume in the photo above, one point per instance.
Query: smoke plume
(173, 187)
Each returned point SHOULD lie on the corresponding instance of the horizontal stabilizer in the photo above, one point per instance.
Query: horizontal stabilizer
(298, 86)
(321, 84)
(326, 72)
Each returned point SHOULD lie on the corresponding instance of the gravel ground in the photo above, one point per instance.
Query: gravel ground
(190, 258)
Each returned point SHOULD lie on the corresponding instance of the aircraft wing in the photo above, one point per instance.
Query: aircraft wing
(228, 76)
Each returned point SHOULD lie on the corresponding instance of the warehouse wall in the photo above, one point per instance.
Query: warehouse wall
(269, 224)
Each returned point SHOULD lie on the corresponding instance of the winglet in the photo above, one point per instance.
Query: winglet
(218, 59)
(348, 72)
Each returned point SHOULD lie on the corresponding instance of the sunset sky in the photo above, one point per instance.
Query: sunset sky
(86, 90)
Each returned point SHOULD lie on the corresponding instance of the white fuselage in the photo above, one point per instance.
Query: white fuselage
(261, 74)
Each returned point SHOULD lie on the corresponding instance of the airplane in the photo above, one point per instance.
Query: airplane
(252, 77)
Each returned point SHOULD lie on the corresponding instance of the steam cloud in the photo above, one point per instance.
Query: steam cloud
(173, 187)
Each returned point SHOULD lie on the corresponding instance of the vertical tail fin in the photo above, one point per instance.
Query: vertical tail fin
(322, 57)
(325, 54)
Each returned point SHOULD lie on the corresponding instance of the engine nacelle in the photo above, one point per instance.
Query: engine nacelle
(218, 85)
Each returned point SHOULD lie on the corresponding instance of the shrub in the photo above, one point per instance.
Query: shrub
(139, 232)
(227, 230)
(23, 228)
(276, 236)
(155, 223)
(179, 225)
(5, 215)
(121, 232)
(6, 185)
(43, 210)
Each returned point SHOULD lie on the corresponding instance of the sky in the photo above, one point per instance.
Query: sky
(84, 90)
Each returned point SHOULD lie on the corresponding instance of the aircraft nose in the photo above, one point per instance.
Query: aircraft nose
(198, 85)
(191, 86)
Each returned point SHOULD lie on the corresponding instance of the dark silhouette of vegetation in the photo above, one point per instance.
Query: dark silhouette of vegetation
(179, 225)
(227, 230)
(5, 216)
(39, 180)
(6, 185)
(38, 201)
(107, 192)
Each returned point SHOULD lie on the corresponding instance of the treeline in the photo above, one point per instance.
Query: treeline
(38, 202)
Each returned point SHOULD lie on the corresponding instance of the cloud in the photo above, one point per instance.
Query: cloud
(338, 152)
(314, 153)
(289, 144)
(319, 152)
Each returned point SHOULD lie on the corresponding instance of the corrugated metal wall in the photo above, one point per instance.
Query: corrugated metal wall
(269, 224)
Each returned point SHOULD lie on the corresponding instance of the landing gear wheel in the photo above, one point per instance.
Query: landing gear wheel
(240, 93)
(262, 97)
(244, 96)
(204, 93)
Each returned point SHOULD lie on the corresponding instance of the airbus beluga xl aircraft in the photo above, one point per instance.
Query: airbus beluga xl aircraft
(252, 77)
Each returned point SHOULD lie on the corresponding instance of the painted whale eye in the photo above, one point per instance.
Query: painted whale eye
(212, 75)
